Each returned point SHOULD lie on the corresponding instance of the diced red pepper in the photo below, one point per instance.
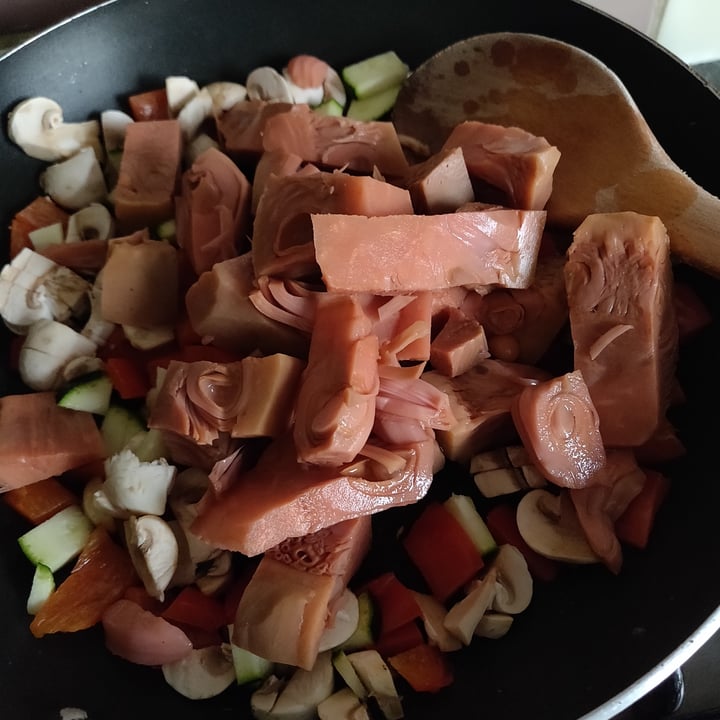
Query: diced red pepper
(101, 575)
(424, 667)
(150, 105)
(395, 602)
(442, 551)
(232, 595)
(41, 212)
(41, 500)
(502, 523)
(128, 378)
(194, 608)
(400, 639)
(692, 313)
(635, 524)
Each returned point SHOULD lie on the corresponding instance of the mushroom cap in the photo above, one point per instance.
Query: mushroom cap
(154, 552)
(550, 527)
(514, 584)
(36, 125)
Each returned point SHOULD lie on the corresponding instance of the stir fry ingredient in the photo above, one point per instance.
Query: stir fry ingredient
(252, 317)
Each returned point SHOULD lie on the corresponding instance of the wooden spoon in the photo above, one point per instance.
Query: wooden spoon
(610, 162)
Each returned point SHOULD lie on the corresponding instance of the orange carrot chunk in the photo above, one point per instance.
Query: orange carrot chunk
(424, 667)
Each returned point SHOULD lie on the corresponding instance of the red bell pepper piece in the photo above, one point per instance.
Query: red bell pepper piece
(102, 574)
(150, 105)
(128, 377)
(400, 639)
(140, 596)
(634, 525)
(40, 500)
(424, 667)
(394, 601)
(442, 551)
(192, 607)
(502, 523)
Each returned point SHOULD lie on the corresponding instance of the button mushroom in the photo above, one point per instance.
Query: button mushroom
(204, 673)
(218, 575)
(433, 616)
(494, 625)
(464, 615)
(93, 222)
(36, 125)
(137, 488)
(114, 125)
(225, 94)
(513, 584)
(549, 525)
(154, 552)
(75, 182)
(266, 83)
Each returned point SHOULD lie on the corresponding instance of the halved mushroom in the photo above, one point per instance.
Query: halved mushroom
(96, 505)
(93, 222)
(343, 623)
(194, 113)
(433, 616)
(114, 125)
(266, 83)
(514, 584)
(149, 338)
(225, 94)
(37, 126)
(218, 575)
(179, 90)
(549, 525)
(154, 552)
(75, 182)
(204, 673)
(97, 328)
(464, 615)
(494, 625)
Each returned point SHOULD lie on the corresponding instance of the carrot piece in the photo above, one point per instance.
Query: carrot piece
(41, 500)
(129, 378)
(442, 551)
(396, 603)
(101, 575)
(150, 105)
(502, 523)
(192, 607)
(400, 639)
(424, 667)
(634, 525)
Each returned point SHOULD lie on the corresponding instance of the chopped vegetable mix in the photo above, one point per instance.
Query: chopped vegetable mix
(230, 376)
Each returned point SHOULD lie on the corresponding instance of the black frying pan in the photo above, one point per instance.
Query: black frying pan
(590, 640)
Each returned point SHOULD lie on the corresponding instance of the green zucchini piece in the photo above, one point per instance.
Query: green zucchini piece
(375, 74)
(43, 586)
(91, 394)
(118, 426)
(58, 539)
(329, 107)
(249, 668)
(363, 636)
(374, 106)
(463, 509)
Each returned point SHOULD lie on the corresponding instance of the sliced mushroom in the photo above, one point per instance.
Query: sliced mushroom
(97, 328)
(204, 673)
(75, 182)
(48, 348)
(266, 83)
(114, 125)
(96, 505)
(305, 690)
(343, 704)
(218, 575)
(33, 288)
(550, 527)
(343, 623)
(93, 222)
(433, 615)
(513, 584)
(149, 338)
(135, 487)
(494, 625)
(37, 126)
(464, 615)
(335, 88)
(194, 113)
(179, 90)
(153, 551)
(225, 94)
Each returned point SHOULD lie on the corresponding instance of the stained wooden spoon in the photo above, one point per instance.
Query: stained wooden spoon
(610, 162)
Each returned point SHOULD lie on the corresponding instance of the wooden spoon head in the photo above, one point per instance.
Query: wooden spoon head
(547, 87)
